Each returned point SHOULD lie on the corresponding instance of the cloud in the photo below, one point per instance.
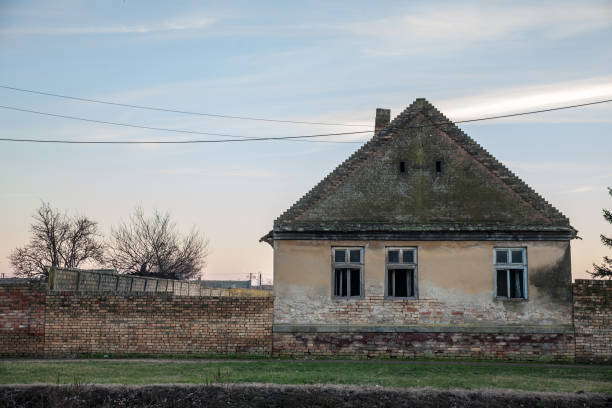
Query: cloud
(534, 97)
(437, 29)
(218, 172)
(583, 189)
(175, 24)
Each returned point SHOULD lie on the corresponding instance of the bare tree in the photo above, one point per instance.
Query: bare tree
(153, 247)
(57, 240)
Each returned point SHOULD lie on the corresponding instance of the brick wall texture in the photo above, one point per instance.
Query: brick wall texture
(517, 347)
(22, 319)
(83, 324)
(593, 320)
(36, 323)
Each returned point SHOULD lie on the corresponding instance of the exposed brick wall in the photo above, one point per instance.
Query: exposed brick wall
(593, 320)
(517, 347)
(22, 318)
(80, 324)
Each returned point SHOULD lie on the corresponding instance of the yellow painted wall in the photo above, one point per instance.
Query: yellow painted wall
(455, 285)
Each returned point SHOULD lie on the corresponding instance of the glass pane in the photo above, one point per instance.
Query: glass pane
(390, 279)
(517, 256)
(411, 283)
(344, 282)
(401, 283)
(394, 256)
(355, 255)
(516, 283)
(355, 282)
(501, 256)
(339, 255)
(408, 256)
(502, 283)
(337, 279)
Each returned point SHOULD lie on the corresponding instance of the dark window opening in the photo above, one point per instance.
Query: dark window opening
(502, 283)
(511, 283)
(347, 282)
(438, 167)
(400, 283)
(402, 167)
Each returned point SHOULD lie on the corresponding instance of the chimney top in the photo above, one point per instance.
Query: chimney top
(383, 117)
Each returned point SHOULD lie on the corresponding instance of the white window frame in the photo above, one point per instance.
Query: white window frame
(401, 265)
(347, 265)
(507, 266)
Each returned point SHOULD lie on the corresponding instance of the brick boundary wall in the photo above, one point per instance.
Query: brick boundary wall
(593, 320)
(79, 324)
(36, 323)
(22, 318)
(484, 346)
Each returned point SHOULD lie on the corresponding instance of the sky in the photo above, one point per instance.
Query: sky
(332, 62)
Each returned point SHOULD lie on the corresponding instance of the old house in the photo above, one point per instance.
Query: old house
(422, 244)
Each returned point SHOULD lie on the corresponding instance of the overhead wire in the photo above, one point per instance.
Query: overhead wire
(214, 115)
(236, 138)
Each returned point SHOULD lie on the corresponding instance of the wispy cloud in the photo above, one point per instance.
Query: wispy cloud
(437, 29)
(583, 189)
(174, 24)
(218, 172)
(519, 99)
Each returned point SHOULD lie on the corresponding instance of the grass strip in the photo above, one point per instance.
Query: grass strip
(525, 378)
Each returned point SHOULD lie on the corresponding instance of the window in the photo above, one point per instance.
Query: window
(438, 167)
(401, 274)
(347, 279)
(510, 273)
(402, 167)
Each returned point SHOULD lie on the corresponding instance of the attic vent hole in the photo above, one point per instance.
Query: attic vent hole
(438, 167)
(402, 168)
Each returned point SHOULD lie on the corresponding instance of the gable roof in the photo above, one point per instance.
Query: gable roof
(355, 196)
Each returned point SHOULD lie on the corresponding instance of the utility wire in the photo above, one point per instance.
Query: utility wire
(232, 138)
(127, 105)
(246, 138)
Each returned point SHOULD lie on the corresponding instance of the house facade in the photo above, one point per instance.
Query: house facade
(421, 244)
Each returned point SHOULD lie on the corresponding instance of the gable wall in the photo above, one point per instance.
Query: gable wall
(455, 286)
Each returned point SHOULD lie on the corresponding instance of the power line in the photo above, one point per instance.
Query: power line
(232, 138)
(247, 138)
(214, 115)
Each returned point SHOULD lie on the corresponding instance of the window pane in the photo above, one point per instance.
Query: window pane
(401, 283)
(337, 281)
(411, 283)
(394, 256)
(344, 282)
(501, 256)
(355, 282)
(502, 283)
(408, 256)
(517, 256)
(355, 255)
(516, 283)
(390, 280)
(339, 255)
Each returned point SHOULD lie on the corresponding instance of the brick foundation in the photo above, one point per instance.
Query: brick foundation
(517, 347)
(22, 318)
(593, 320)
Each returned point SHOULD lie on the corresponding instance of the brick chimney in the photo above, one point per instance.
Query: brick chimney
(383, 117)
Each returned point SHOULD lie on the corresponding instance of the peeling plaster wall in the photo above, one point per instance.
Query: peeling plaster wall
(455, 285)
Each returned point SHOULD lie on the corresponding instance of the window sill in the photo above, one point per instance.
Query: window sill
(505, 299)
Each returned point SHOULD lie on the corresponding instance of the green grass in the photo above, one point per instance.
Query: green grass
(384, 373)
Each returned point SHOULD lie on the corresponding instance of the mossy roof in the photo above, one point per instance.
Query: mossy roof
(473, 190)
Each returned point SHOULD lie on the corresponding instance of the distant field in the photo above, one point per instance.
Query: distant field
(384, 373)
